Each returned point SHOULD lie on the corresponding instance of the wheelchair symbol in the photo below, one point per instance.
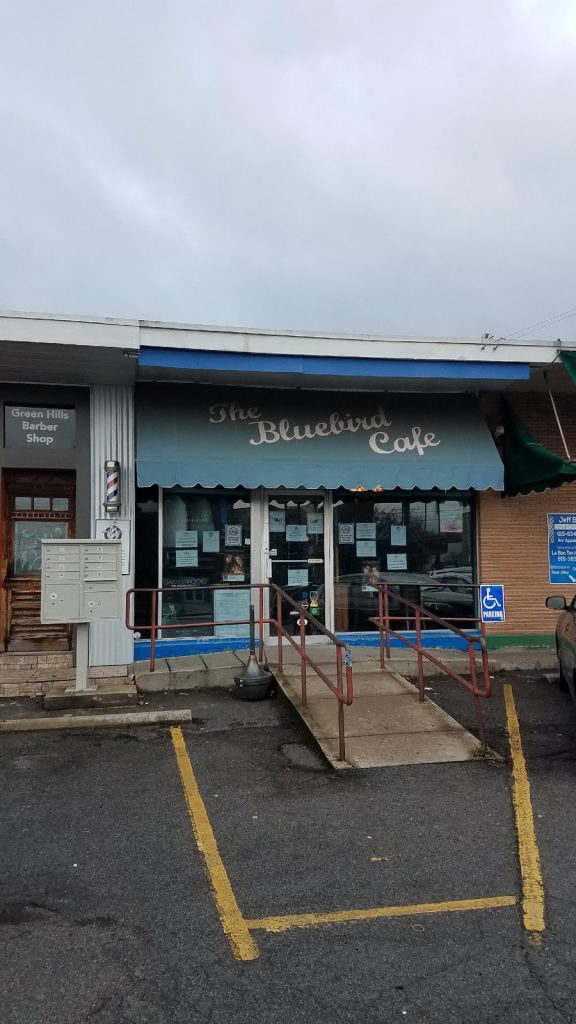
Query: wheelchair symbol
(489, 601)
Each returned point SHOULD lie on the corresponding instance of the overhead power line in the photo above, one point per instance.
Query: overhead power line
(543, 323)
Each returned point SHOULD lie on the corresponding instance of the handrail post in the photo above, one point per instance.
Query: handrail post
(279, 627)
(419, 652)
(387, 618)
(261, 623)
(302, 624)
(341, 735)
(381, 627)
(474, 680)
(485, 662)
(154, 627)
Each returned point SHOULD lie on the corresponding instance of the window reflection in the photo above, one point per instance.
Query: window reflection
(206, 540)
(411, 542)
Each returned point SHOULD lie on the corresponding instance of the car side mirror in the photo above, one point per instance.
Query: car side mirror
(557, 602)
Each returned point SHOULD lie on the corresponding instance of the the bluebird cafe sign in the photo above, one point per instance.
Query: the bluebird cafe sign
(38, 427)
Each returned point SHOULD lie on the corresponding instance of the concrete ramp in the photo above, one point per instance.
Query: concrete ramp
(386, 725)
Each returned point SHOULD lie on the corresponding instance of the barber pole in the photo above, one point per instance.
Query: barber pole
(112, 473)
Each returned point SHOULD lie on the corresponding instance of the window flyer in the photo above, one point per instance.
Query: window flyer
(365, 531)
(346, 533)
(315, 522)
(233, 569)
(232, 536)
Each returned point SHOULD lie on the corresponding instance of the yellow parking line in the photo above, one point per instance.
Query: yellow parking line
(233, 923)
(283, 923)
(529, 855)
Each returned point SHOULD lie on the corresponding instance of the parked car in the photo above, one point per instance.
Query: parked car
(565, 641)
(453, 598)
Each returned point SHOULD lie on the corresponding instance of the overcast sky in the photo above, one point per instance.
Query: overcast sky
(390, 166)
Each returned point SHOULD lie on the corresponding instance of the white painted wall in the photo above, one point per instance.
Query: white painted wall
(112, 437)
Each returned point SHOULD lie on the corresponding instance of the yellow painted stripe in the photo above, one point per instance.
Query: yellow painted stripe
(233, 923)
(529, 855)
(282, 924)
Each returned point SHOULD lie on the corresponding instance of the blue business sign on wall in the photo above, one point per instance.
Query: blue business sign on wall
(561, 547)
(492, 603)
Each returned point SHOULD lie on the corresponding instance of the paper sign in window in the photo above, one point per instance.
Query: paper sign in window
(297, 577)
(315, 522)
(398, 561)
(187, 556)
(398, 536)
(233, 536)
(277, 521)
(346, 533)
(365, 531)
(296, 532)
(366, 548)
(186, 538)
(210, 540)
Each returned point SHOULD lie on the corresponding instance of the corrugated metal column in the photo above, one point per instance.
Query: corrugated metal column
(112, 437)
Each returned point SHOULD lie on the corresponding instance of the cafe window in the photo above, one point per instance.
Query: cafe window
(412, 542)
(205, 541)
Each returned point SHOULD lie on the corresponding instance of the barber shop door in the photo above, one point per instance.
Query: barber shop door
(37, 506)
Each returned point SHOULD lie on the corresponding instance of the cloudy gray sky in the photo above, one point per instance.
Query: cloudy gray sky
(393, 166)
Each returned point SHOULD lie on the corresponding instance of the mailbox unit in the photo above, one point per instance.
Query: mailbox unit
(81, 580)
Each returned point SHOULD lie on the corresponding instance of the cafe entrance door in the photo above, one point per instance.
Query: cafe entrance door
(297, 533)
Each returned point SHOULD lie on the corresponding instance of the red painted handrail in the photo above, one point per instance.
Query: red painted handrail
(343, 691)
(421, 615)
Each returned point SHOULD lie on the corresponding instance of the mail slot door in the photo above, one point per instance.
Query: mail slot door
(60, 602)
(101, 601)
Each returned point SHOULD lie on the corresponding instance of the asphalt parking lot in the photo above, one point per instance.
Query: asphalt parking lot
(108, 913)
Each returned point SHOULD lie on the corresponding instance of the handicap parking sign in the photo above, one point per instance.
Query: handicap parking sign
(492, 603)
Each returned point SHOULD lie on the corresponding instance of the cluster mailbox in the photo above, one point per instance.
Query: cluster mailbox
(81, 580)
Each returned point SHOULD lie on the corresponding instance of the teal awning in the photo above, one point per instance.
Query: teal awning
(529, 467)
(275, 438)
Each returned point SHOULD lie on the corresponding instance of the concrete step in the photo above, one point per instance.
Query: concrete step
(196, 672)
(107, 694)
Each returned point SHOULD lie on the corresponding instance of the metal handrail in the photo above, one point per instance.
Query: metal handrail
(344, 695)
(421, 615)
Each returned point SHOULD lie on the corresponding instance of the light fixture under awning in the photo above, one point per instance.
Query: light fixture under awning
(254, 437)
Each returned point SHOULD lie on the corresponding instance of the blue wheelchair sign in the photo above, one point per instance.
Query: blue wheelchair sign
(492, 603)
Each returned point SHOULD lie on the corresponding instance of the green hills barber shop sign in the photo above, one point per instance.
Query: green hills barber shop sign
(38, 427)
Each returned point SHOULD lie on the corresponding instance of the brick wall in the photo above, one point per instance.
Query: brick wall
(513, 540)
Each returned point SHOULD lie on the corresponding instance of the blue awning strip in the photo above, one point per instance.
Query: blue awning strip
(332, 366)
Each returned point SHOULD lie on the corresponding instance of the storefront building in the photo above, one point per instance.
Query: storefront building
(252, 457)
(319, 492)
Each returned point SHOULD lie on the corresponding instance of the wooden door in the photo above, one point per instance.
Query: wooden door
(37, 506)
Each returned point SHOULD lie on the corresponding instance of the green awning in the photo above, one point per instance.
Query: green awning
(569, 361)
(529, 467)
